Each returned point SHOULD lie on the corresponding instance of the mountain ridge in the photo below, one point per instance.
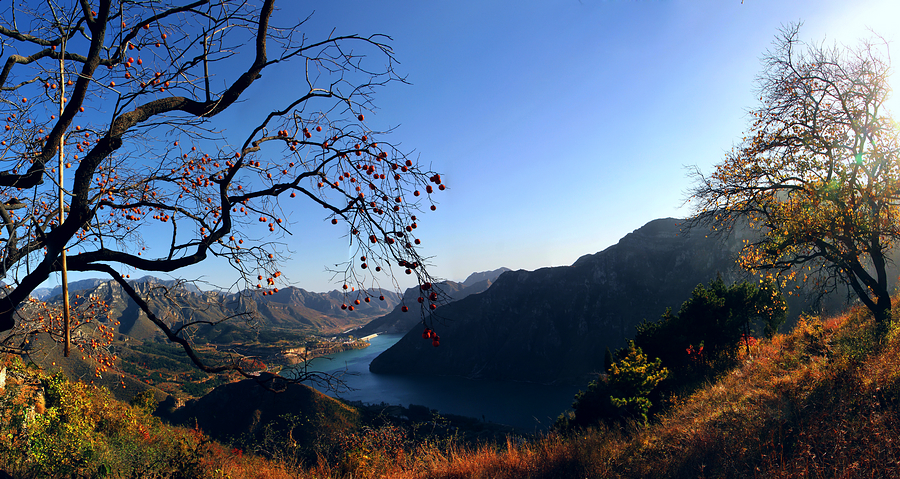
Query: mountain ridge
(291, 307)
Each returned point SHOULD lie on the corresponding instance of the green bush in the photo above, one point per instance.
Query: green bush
(708, 329)
(622, 394)
(632, 379)
(53, 427)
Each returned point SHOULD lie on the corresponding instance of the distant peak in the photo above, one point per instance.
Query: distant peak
(484, 275)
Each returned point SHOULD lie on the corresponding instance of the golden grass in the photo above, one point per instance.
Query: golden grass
(818, 402)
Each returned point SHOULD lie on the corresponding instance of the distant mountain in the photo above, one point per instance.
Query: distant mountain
(74, 287)
(554, 324)
(484, 276)
(298, 309)
(290, 308)
(399, 322)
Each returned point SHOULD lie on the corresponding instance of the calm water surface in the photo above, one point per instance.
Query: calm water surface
(529, 407)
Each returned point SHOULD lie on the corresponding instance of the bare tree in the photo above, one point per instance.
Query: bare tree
(817, 174)
(157, 184)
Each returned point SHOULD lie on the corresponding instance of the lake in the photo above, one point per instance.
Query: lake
(526, 406)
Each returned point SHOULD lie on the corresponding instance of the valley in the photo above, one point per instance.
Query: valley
(549, 328)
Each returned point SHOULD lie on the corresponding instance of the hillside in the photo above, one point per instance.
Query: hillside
(820, 401)
(554, 324)
(245, 409)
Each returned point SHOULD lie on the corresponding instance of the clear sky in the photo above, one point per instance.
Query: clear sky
(560, 126)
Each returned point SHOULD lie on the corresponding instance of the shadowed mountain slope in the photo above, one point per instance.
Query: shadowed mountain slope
(554, 324)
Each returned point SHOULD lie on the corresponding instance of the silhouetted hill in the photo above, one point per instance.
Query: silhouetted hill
(554, 324)
(245, 407)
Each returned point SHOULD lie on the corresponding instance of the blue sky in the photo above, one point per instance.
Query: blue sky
(559, 126)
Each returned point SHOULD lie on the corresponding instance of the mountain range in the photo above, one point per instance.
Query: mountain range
(548, 325)
(291, 308)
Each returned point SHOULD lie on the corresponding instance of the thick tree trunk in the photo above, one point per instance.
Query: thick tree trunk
(882, 311)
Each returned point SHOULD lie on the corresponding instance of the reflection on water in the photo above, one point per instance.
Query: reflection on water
(526, 406)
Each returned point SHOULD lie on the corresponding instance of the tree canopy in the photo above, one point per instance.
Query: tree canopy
(127, 97)
(817, 174)
(712, 324)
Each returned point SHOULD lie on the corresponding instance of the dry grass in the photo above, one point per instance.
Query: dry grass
(822, 401)
(819, 402)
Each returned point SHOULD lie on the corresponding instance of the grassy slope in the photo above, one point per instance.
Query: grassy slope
(52, 427)
(822, 401)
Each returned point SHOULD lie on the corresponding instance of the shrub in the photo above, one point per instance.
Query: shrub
(632, 379)
(718, 319)
(622, 394)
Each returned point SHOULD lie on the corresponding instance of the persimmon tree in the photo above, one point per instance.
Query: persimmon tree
(817, 175)
(155, 182)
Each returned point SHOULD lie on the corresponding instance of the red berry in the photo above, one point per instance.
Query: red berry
(404, 309)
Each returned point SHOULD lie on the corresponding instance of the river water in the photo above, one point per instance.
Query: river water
(526, 406)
